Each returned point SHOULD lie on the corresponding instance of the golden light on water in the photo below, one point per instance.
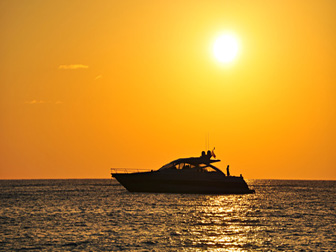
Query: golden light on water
(217, 225)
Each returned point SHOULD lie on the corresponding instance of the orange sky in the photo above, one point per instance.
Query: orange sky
(89, 85)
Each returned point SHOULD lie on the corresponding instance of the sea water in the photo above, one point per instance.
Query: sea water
(100, 215)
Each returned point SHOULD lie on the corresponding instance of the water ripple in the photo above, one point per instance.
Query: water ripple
(89, 215)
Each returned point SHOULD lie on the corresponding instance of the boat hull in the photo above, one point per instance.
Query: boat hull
(156, 182)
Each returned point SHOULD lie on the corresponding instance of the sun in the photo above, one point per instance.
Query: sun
(226, 48)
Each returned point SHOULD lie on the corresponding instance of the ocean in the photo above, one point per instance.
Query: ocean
(100, 215)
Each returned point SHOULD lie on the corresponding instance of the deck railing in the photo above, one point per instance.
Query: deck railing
(128, 170)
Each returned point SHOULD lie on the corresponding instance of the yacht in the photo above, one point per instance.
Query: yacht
(185, 175)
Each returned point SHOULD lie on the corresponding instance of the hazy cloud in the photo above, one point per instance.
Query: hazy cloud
(35, 102)
(73, 67)
(42, 102)
(98, 77)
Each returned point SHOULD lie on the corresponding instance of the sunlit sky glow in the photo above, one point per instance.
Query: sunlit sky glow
(226, 48)
(89, 85)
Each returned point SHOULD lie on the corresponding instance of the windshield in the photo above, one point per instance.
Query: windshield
(177, 166)
(187, 166)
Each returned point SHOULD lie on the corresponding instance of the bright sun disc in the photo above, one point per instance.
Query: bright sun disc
(225, 48)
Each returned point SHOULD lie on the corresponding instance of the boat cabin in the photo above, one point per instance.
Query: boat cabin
(197, 164)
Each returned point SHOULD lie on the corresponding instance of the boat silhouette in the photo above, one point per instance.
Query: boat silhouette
(185, 175)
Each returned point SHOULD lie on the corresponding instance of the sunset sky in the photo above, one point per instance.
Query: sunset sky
(90, 85)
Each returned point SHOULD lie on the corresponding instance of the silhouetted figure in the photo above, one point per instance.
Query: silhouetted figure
(213, 153)
(227, 170)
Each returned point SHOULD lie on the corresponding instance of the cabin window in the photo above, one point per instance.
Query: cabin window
(180, 166)
(186, 166)
(207, 169)
(174, 166)
(183, 166)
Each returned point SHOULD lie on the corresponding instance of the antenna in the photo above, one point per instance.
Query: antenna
(208, 141)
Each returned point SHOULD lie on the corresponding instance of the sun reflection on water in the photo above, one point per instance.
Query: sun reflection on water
(74, 215)
(215, 224)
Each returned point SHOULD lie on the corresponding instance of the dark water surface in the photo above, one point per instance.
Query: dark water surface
(91, 215)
